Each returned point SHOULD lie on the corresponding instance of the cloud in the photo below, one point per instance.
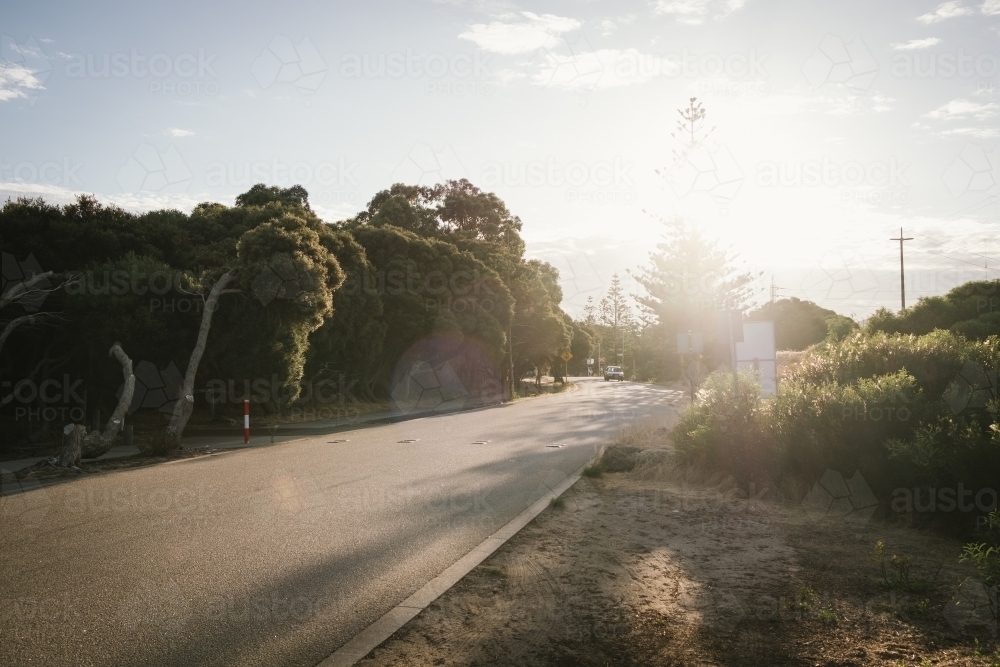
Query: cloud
(882, 103)
(177, 132)
(694, 11)
(978, 132)
(536, 32)
(947, 10)
(23, 68)
(17, 81)
(961, 108)
(608, 25)
(136, 202)
(990, 7)
(915, 44)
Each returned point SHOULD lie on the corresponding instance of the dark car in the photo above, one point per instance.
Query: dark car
(614, 373)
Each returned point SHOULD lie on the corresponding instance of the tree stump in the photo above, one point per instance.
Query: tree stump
(72, 446)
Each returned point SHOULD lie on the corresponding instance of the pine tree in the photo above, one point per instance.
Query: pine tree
(616, 316)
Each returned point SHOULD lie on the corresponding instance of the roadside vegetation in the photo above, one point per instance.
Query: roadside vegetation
(309, 319)
(424, 298)
(907, 411)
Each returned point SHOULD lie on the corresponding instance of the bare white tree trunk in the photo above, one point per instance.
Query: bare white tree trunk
(23, 289)
(185, 404)
(98, 443)
(77, 444)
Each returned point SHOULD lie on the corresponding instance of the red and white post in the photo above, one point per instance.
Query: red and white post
(246, 421)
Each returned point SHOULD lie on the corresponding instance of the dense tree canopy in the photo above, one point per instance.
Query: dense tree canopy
(436, 271)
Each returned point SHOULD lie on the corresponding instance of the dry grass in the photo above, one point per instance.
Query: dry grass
(656, 460)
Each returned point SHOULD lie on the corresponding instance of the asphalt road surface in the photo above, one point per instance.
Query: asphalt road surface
(278, 555)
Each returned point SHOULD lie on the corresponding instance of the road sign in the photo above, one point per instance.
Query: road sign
(690, 342)
(590, 362)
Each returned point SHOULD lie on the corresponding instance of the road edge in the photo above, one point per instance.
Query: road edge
(371, 637)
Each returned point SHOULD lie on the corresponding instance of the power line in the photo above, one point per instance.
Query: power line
(967, 252)
(990, 199)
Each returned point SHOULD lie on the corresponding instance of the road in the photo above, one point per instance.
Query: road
(278, 555)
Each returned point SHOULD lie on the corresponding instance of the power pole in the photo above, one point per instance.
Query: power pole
(902, 276)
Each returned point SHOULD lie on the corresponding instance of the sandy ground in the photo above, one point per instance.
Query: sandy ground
(643, 568)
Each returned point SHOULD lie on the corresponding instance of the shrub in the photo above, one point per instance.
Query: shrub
(986, 557)
(888, 405)
(725, 429)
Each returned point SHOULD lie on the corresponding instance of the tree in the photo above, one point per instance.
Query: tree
(430, 288)
(799, 324)
(615, 316)
(971, 309)
(582, 345)
(286, 268)
(590, 312)
(688, 279)
(261, 195)
(348, 348)
(539, 331)
(129, 273)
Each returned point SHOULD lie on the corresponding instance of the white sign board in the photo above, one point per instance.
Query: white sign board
(757, 351)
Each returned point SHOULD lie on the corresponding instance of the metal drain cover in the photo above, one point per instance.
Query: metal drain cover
(555, 444)
(334, 442)
(410, 440)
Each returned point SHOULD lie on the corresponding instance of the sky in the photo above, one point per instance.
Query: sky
(820, 129)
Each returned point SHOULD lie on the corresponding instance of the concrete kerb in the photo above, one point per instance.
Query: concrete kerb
(371, 637)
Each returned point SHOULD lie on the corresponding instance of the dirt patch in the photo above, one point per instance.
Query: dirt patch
(638, 569)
